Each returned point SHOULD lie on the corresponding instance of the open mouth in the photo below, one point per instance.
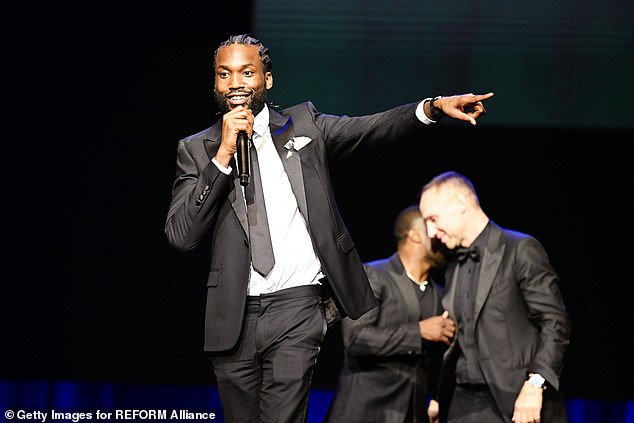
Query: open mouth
(235, 99)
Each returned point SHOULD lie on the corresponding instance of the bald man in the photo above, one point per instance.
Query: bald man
(513, 328)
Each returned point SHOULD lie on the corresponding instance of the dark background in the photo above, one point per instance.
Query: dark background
(96, 97)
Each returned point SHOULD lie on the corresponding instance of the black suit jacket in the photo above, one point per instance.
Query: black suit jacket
(521, 323)
(205, 199)
(384, 375)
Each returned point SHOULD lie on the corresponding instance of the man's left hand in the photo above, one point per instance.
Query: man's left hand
(464, 107)
(528, 405)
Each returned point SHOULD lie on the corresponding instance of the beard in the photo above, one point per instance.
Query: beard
(255, 104)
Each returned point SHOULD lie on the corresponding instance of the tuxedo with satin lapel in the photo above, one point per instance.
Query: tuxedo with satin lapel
(521, 323)
(204, 199)
(384, 373)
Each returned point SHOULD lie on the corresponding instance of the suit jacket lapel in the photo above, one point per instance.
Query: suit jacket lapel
(237, 202)
(236, 196)
(491, 260)
(398, 274)
(283, 130)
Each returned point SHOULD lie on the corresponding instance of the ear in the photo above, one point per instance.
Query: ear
(414, 236)
(268, 79)
(460, 202)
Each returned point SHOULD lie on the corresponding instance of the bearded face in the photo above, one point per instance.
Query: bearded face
(240, 78)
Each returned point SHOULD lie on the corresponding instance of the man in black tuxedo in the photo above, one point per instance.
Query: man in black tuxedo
(392, 353)
(513, 328)
(281, 256)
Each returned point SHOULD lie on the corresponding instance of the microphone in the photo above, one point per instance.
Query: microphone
(244, 159)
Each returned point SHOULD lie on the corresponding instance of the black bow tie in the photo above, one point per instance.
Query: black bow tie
(472, 252)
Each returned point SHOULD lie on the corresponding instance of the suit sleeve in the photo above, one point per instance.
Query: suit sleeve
(546, 310)
(368, 336)
(344, 135)
(199, 190)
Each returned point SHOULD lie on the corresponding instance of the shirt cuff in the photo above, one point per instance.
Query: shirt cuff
(420, 113)
(225, 170)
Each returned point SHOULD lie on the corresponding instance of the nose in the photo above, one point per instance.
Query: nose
(431, 230)
(236, 81)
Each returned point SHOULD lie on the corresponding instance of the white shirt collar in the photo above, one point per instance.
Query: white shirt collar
(261, 122)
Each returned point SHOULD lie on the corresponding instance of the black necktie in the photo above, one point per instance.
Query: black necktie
(463, 254)
(262, 257)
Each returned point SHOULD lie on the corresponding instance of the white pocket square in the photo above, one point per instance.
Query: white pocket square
(297, 143)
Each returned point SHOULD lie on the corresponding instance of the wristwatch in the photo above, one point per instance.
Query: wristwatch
(436, 113)
(536, 380)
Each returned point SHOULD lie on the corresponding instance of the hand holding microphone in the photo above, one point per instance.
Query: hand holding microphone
(236, 124)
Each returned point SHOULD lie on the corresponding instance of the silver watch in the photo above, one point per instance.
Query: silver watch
(536, 380)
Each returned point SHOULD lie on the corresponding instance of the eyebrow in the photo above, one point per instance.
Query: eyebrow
(244, 66)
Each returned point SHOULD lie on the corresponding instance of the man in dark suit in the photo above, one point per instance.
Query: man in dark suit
(278, 241)
(513, 328)
(392, 353)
